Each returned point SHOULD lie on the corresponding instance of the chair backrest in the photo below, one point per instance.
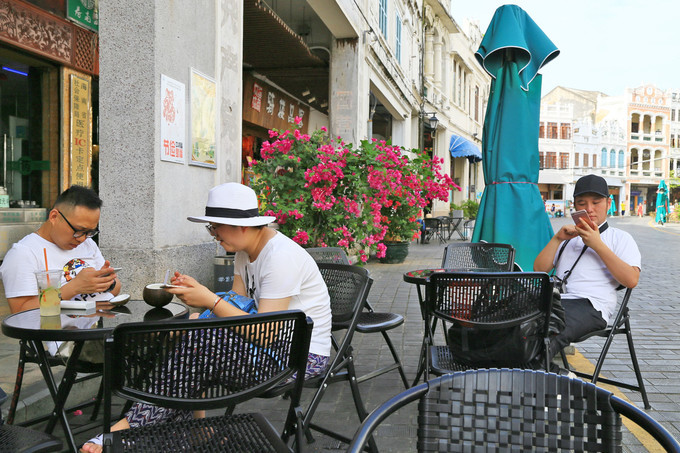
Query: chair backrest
(515, 410)
(499, 319)
(483, 256)
(205, 363)
(348, 287)
(328, 255)
(432, 223)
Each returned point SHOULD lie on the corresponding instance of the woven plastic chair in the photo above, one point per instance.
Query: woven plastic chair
(620, 326)
(369, 320)
(24, 440)
(489, 314)
(206, 364)
(515, 410)
(484, 256)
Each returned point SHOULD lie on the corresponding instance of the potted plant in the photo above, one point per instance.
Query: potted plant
(326, 193)
(402, 183)
(316, 189)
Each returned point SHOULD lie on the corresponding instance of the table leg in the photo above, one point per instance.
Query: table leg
(60, 393)
(427, 338)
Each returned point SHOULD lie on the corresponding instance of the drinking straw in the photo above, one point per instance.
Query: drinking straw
(46, 267)
(167, 276)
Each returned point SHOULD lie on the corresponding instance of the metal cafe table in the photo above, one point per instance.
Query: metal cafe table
(26, 326)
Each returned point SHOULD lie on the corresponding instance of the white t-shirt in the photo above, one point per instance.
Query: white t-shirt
(27, 256)
(284, 269)
(591, 279)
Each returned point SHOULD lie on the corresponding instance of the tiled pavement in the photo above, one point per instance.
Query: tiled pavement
(655, 316)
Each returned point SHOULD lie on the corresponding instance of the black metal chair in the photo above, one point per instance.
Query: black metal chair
(515, 410)
(620, 326)
(24, 440)
(498, 319)
(348, 287)
(456, 223)
(28, 355)
(432, 227)
(369, 320)
(206, 364)
(486, 256)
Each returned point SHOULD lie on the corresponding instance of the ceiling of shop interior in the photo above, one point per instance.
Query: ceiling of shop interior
(288, 43)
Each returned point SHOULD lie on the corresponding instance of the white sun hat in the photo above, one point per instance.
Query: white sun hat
(232, 204)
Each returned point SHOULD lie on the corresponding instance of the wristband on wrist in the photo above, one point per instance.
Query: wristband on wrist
(113, 285)
(217, 301)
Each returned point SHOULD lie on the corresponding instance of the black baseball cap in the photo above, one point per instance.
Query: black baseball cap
(591, 184)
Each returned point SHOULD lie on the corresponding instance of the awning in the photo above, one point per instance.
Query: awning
(462, 147)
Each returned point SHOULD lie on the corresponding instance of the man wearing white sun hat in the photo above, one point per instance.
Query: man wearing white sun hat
(269, 268)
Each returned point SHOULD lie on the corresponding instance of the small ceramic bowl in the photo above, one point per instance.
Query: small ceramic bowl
(155, 295)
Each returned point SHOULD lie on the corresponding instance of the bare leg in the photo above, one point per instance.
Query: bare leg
(90, 447)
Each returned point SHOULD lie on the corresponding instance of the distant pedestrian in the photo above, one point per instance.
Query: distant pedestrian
(623, 208)
(639, 210)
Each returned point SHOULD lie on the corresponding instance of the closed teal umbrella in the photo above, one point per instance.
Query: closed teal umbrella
(661, 203)
(511, 211)
(612, 206)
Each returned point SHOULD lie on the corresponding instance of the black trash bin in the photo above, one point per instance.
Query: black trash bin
(224, 273)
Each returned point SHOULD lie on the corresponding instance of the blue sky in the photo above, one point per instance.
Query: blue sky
(605, 45)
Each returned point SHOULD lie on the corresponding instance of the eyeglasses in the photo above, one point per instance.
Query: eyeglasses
(211, 229)
(79, 233)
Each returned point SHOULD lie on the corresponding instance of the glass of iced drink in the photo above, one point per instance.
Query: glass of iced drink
(49, 295)
(50, 322)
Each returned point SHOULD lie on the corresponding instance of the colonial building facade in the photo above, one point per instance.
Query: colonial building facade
(626, 139)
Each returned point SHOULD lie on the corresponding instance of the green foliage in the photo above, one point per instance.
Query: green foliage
(325, 193)
(470, 208)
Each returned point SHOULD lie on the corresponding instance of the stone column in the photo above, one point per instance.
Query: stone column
(428, 56)
(146, 200)
(347, 104)
(438, 64)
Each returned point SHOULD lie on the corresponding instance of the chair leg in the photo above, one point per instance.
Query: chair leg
(358, 402)
(564, 360)
(396, 358)
(636, 366)
(17, 384)
(98, 401)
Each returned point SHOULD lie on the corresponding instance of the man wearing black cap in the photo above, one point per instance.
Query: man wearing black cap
(591, 260)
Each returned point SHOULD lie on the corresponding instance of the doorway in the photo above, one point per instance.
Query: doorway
(29, 129)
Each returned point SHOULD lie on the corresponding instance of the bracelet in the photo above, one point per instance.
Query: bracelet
(217, 301)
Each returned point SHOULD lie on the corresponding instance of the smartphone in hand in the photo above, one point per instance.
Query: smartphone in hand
(116, 270)
(578, 215)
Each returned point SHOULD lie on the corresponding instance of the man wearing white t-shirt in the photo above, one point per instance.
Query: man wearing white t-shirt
(65, 238)
(595, 260)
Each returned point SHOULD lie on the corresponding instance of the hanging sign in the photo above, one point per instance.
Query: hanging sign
(80, 137)
(85, 13)
(173, 120)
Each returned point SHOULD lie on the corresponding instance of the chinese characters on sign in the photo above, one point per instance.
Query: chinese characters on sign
(257, 97)
(81, 139)
(84, 13)
(173, 120)
(279, 110)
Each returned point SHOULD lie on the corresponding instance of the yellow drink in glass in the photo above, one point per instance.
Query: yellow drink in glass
(49, 295)
(50, 302)
(50, 322)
